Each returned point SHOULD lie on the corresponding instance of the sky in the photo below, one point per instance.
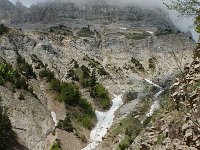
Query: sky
(184, 24)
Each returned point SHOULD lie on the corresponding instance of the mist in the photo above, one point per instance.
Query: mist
(183, 23)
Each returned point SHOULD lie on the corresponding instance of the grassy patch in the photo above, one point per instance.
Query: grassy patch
(160, 138)
(56, 146)
(136, 36)
(86, 32)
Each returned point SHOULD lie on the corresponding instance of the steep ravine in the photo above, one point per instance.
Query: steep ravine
(105, 119)
(155, 104)
(104, 122)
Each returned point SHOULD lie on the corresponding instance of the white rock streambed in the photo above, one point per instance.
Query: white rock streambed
(53, 115)
(104, 122)
(155, 104)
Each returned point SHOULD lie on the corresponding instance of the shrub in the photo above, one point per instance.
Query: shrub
(21, 83)
(65, 124)
(102, 72)
(73, 75)
(69, 94)
(21, 96)
(138, 65)
(152, 63)
(38, 61)
(3, 29)
(55, 85)
(24, 68)
(76, 65)
(86, 72)
(56, 146)
(86, 120)
(101, 94)
(86, 32)
(46, 73)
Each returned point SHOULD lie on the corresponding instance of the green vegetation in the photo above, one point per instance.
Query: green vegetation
(24, 68)
(137, 64)
(102, 72)
(152, 63)
(61, 29)
(70, 95)
(3, 29)
(85, 71)
(38, 61)
(8, 74)
(101, 94)
(86, 32)
(76, 65)
(56, 146)
(46, 73)
(132, 127)
(73, 75)
(136, 36)
(87, 79)
(95, 64)
(66, 124)
(160, 138)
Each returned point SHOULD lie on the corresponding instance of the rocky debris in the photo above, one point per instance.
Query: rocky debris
(180, 128)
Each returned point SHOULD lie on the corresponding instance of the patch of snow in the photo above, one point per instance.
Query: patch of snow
(154, 107)
(150, 32)
(123, 28)
(155, 104)
(150, 82)
(160, 92)
(104, 122)
(53, 115)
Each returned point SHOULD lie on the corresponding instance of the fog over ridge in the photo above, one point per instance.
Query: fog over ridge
(184, 24)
